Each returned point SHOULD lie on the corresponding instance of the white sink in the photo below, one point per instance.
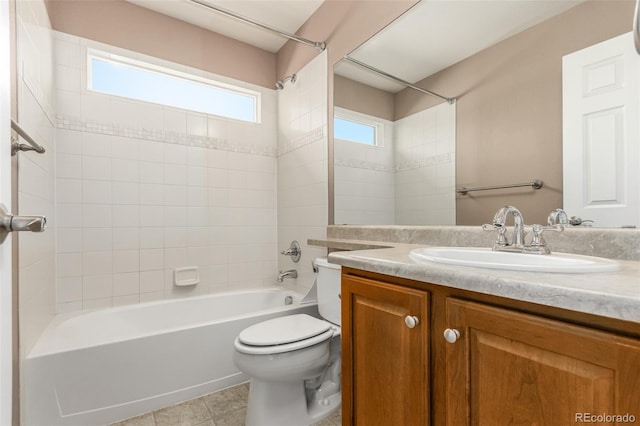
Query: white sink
(487, 258)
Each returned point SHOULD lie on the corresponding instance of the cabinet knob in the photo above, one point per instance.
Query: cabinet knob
(411, 321)
(451, 335)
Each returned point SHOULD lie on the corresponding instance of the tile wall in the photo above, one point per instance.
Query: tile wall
(143, 189)
(303, 207)
(410, 180)
(425, 167)
(364, 179)
(35, 171)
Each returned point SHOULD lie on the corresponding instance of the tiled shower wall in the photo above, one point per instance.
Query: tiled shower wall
(35, 171)
(303, 210)
(143, 189)
(425, 167)
(410, 180)
(364, 179)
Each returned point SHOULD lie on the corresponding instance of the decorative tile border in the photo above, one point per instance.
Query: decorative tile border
(307, 138)
(425, 162)
(359, 164)
(72, 123)
(404, 166)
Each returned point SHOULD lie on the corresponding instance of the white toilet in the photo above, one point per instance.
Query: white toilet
(294, 361)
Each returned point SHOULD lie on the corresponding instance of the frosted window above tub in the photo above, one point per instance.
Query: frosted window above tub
(116, 75)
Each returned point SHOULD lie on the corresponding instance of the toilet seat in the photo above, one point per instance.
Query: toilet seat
(283, 334)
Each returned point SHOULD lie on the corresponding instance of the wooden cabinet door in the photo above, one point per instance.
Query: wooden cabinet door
(385, 361)
(509, 368)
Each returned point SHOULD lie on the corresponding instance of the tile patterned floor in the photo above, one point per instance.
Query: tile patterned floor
(224, 408)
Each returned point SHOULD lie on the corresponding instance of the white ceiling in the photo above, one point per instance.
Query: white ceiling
(436, 34)
(287, 15)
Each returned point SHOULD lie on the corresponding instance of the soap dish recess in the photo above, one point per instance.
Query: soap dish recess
(186, 276)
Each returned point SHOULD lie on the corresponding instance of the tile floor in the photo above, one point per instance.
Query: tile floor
(224, 408)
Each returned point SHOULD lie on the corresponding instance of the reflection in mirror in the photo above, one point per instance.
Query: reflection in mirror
(503, 62)
(406, 177)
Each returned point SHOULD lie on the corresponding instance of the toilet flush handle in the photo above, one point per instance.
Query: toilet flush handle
(411, 321)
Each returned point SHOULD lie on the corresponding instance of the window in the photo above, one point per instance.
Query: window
(119, 76)
(356, 127)
(353, 131)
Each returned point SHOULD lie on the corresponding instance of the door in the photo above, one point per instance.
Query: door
(601, 133)
(509, 368)
(385, 354)
(5, 198)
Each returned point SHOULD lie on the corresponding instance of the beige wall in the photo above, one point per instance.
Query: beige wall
(359, 97)
(125, 25)
(509, 110)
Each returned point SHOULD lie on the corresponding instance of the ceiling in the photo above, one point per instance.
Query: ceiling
(436, 34)
(287, 15)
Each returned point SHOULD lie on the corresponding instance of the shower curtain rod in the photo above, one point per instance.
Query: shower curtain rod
(399, 80)
(318, 45)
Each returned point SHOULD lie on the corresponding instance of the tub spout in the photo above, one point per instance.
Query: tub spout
(292, 273)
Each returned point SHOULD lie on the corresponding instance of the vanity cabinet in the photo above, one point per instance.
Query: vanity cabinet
(385, 353)
(505, 362)
(511, 368)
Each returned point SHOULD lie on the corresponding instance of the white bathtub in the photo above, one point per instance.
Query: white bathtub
(104, 366)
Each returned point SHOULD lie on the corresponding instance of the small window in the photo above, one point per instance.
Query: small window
(115, 75)
(353, 126)
(354, 131)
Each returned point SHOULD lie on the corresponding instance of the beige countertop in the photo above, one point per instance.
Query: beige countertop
(607, 294)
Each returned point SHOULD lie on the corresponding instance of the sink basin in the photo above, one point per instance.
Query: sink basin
(487, 258)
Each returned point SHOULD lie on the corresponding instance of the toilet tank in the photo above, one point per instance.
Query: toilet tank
(328, 286)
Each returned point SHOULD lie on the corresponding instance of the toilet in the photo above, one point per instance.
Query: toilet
(294, 361)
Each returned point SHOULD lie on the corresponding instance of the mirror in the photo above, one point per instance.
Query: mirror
(502, 61)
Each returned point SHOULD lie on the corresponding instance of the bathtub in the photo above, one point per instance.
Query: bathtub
(100, 367)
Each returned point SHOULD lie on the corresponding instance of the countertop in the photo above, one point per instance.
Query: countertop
(609, 294)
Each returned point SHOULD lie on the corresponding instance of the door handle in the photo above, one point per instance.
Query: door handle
(10, 223)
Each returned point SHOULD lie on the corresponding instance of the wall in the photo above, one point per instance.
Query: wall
(302, 168)
(35, 171)
(143, 189)
(364, 176)
(355, 96)
(425, 156)
(509, 126)
(122, 24)
(410, 180)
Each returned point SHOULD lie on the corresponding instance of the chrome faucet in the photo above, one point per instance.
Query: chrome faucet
(538, 245)
(291, 273)
(500, 223)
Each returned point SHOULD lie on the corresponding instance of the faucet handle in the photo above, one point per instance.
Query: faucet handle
(538, 243)
(577, 221)
(294, 251)
(502, 233)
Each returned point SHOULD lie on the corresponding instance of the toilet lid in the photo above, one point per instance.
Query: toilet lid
(283, 330)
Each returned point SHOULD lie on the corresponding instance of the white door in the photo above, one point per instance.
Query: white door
(5, 198)
(601, 121)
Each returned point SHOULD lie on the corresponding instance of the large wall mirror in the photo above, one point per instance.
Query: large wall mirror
(400, 155)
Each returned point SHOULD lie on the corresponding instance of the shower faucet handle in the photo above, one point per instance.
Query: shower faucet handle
(294, 251)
